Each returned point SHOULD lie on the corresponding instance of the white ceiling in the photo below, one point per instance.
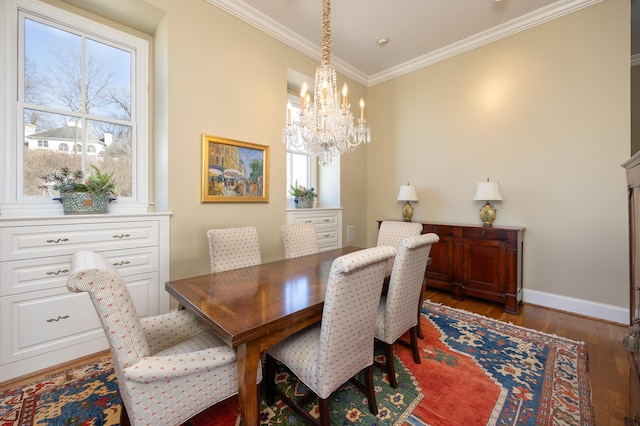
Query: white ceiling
(420, 32)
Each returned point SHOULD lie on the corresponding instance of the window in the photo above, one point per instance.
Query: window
(301, 166)
(76, 101)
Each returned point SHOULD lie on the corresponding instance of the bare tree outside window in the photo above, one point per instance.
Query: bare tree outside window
(76, 106)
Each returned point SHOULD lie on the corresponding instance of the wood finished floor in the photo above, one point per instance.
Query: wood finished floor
(608, 362)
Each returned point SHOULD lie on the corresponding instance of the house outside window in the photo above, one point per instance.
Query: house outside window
(79, 90)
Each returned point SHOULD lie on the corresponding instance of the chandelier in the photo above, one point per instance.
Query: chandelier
(325, 127)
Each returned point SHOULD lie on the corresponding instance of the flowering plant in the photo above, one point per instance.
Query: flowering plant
(299, 191)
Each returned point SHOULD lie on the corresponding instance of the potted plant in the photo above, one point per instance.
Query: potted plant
(302, 197)
(79, 195)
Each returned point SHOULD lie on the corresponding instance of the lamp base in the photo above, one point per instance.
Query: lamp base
(488, 214)
(407, 212)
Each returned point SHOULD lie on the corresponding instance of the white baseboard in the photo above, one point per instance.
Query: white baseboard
(577, 306)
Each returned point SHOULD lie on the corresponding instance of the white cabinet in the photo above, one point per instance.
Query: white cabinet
(42, 324)
(328, 225)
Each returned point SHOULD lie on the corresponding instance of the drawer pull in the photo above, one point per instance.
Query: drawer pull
(122, 236)
(58, 272)
(57, 319)
(308, 221)
(59, 240)
(327, 220)
(482, 233)
(327, 235)
(124, 262)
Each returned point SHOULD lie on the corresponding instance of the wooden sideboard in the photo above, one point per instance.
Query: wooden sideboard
(477, 261)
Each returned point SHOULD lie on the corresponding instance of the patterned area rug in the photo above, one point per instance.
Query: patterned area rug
(474, 371)
(89, 396)
(479, 371)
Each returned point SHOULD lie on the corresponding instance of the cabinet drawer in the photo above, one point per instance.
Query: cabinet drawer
(326, 236)
(441, 230)
(39, 322)
(40, 274)
(489, 233)
(318, 220)
(44, 241)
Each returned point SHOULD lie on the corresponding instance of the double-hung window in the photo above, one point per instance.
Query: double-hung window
(301, 166)
(76, 97)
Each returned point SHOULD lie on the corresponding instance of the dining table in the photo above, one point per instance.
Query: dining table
(255, 307)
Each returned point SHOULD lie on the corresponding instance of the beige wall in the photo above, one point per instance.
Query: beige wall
(546, 113)
(228, 79)
(635, 109)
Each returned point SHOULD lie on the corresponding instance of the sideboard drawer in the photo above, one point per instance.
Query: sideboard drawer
(50, 272)
(49, 320)
(43, 241)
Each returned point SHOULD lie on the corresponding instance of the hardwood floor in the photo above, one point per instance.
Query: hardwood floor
(608, 363)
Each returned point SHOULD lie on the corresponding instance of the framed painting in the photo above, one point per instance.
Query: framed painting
(234, 171)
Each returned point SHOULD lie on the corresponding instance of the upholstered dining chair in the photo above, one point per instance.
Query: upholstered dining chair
(233, 248)
(326, 355)
(169, 367)
(300, 239)
(397, 309)
(391, 232)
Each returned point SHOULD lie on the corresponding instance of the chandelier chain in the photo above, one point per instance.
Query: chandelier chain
(326, 32)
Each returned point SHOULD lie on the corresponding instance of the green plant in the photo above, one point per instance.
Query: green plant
(298, 191)
(65, 180)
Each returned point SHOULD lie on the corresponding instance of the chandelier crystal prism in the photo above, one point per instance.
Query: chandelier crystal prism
(325, 127)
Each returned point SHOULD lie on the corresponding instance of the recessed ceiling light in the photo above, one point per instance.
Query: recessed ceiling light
(383, 41)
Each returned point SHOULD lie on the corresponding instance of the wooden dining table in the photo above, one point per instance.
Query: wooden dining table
(255, 307)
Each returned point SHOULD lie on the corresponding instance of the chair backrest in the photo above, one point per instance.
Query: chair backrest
(349, 316)
(405, 285)
(391, 233)
(233, 248)
(300, 239)
(92, 273)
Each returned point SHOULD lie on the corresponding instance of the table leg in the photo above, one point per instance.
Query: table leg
(248, 358)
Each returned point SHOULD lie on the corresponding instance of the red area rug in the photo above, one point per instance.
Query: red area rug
(474, 371)
(479, 371)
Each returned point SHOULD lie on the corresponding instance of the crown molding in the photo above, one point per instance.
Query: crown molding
(242, 11)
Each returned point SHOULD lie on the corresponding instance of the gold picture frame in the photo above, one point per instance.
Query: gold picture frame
(234, 171)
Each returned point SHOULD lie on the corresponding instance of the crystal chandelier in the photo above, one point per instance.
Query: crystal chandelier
(325, 127)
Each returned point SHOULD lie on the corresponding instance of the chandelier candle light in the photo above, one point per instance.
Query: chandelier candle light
(325, 127)
(407, 193)
(487, 191)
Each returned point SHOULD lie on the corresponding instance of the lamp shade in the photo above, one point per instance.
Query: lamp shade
(407, 193)
(487, 191)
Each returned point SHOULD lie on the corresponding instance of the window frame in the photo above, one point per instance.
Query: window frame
(12, 202)
(312, 160)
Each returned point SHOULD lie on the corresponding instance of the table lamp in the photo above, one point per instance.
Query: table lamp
(407, 193)
(487, 191)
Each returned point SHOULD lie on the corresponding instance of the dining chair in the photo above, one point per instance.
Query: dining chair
(300, 239)
(397, 309)
(391, 232)
(169, 367)
(233, 248)
(326, 355)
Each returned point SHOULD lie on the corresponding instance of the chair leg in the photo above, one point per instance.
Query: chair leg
(323, 407)
(413, 334)
(422, 290)
(371, 391)
(124, 417)
(270, 379)
(391, 367)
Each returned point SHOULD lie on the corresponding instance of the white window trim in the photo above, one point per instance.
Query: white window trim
(11, 204)
(313, 159)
